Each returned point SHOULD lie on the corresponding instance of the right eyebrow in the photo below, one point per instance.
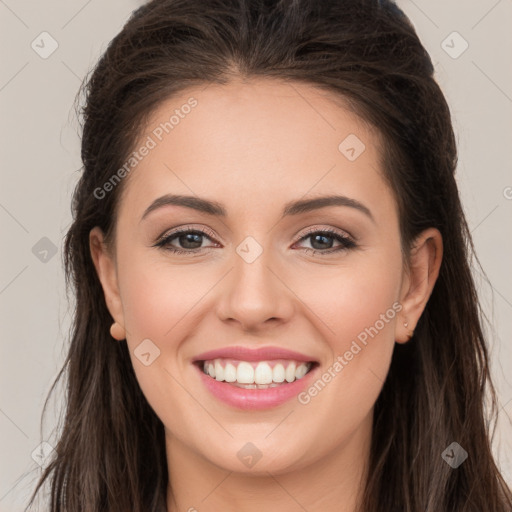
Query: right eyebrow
(307, 205)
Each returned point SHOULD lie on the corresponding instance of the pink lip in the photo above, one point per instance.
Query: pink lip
(256, 399)
(247, 354)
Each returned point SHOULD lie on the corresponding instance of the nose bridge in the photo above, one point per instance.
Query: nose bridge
(253, 293)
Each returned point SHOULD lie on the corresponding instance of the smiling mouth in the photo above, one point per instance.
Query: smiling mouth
(255, 374)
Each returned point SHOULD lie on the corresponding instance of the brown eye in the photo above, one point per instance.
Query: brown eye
(189, 240)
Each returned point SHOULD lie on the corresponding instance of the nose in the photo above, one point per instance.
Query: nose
(255, 295)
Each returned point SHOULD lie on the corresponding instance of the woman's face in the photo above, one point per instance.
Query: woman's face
(276, 270)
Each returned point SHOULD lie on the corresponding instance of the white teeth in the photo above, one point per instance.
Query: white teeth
(219, 371)
(230, 373)
(245, 373)
(256, 386)
(278, 373)
(290, 372)
(263, 374)
(299, 372)
(260, 376)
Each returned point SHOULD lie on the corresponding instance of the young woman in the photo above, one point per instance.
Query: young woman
(274, 303)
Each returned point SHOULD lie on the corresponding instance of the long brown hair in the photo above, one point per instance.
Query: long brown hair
(111, 455)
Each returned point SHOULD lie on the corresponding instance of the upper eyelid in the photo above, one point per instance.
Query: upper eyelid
(209, 233)
(330, 230)
(185, 229)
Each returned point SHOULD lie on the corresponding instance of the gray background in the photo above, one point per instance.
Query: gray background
(41, 162)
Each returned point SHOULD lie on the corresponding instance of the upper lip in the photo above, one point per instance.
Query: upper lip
(256, 354)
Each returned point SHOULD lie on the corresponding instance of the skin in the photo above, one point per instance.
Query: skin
(254, 146)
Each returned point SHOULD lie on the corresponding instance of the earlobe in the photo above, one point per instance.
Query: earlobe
(421, 275)
(105, 266)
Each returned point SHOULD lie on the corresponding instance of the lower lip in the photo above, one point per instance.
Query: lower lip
(255, 399)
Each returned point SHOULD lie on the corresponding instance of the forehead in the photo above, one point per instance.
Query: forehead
(255, 143)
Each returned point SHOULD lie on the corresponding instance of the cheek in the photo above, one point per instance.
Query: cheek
(159, 305)
(352, 297)
(358, 310)
(362, 315)
(157, 297)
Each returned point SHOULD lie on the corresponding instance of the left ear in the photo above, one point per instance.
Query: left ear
(425, 262)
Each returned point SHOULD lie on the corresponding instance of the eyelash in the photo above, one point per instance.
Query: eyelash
(164, 242)
(346, 242)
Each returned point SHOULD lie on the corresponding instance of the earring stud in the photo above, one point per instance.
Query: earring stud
(117, 331)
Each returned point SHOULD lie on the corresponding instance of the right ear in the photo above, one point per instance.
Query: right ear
(105, 265)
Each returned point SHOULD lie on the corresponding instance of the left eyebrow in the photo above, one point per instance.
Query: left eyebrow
(291, 208)
(196, 203)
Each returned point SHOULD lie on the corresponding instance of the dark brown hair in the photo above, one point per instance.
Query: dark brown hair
(110, 455)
